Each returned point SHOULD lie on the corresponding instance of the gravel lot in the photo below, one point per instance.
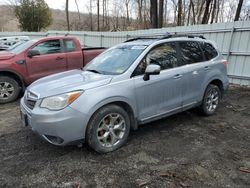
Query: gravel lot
(185, 150)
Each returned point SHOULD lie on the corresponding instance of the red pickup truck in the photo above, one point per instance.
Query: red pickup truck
(34, 59)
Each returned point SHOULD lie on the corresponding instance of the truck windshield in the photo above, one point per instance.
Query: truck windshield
(116, 60)
(21, 46)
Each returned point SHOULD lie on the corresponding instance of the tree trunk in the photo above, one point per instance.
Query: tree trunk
(127, 12)
(67, 14)
(237, 15)
(91, 16)
(153, 14)
(161, 4)
(179, 12)
(103, 14)
(206, 12)
(79, 15)
(139, 2)
(213, 12)
(193, 12)
(189, 10)
(165, 12)
(98, 15)
(200, 11)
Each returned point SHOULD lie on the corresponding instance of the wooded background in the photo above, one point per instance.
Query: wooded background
(125, 15)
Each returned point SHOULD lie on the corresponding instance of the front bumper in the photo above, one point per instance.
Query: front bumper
(57, 127)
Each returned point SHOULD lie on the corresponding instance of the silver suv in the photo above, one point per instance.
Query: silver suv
(133, 83)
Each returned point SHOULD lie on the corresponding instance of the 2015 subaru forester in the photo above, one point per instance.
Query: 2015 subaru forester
(133, 83)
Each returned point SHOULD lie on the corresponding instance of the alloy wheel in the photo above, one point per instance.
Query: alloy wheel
(6, 90)
(111, 130)
(212, 100)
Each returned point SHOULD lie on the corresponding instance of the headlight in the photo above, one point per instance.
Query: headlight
(60, 101)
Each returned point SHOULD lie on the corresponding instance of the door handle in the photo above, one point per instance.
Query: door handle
(59, 58)
(177, 76)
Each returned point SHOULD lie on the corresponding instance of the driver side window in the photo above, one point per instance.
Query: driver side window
(49, 47)
(164, 55)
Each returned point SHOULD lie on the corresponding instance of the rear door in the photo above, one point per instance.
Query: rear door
(162, 93)
(194, 70)
(74, 54)
(51, 60)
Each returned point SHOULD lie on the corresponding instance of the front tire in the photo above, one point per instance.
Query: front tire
(211, 100)
(9, 89)
(108, 129)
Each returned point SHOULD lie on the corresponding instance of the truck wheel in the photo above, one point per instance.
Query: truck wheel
(211, 100)
(108, 129)
(9, 89)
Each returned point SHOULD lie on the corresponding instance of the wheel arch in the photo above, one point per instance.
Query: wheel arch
(15, 76)
(215, 81)
(123, 104)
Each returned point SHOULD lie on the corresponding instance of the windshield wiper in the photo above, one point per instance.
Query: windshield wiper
(93, 70)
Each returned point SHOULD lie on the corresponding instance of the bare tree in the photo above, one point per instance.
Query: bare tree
(79, 14)
(98, 14)
(206, 12)
(67, 14)
(139, 4)
(160, 16)
(179, 12)
(153, 14)
(127, 11)
(237, 15)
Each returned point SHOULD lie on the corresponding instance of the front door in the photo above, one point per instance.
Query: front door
(51, 60)
(161, 93)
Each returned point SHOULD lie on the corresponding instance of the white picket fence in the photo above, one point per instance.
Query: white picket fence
(233, 40)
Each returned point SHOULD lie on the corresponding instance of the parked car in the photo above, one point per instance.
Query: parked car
(133, 83)
(8, 42)
(28, 61)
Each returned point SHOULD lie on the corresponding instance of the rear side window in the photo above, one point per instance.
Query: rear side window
(69, 45)
(209, 51)
(190, 52)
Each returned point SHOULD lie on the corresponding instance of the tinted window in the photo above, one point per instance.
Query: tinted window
(190, 52)
(69, 45)
(164, 55)
(49, 47)
(209, 51)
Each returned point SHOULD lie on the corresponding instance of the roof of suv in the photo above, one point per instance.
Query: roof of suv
(149, 40)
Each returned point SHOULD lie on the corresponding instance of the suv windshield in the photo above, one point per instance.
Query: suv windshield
(116, 60)
(21, 46)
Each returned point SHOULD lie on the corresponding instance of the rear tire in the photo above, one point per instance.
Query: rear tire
(211, 100)
(108, 129)
(9, 89)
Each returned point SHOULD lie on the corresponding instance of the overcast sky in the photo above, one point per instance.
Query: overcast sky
(60, 4)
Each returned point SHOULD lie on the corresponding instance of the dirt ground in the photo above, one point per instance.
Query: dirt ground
(184, 150)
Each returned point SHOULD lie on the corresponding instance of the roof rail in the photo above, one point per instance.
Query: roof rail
(182, 35)
(139, 38)
(166, 36)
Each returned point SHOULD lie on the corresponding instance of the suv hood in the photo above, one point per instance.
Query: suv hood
(68, 81)
(4, 55)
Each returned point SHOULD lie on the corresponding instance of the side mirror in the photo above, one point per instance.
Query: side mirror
(151, 69)
(32, 53)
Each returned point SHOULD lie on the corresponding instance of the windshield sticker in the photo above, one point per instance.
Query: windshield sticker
(119, 71)
(138, 47)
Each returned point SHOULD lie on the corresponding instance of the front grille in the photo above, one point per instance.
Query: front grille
(30, 103)
(30, 100)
